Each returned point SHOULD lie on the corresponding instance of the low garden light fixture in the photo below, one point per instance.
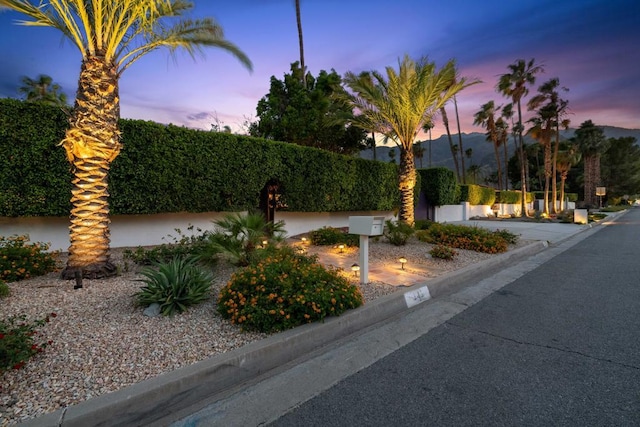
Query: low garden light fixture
(402, 260)
(304, 240)
(265, 243)
(355, 268)
(341, 247)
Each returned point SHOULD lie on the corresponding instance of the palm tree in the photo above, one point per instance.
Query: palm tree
(44, 90)
(515, 86)
(418, 152)
(507, 116)
(454, 152)
(565, 160)
(299, 22)
(542, 131)
(486, 117)
(399, 105)
(111, 36)
(548, 92)
(592, 143)
(427, 128)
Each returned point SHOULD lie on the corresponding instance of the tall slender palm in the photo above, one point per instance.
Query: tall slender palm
(486, 117)
(299, 22)
(507, 115)
(549, 92)
(399, 105)
(462, 166)
(454, 152)
(542, 131)
(43, 89)
(592, 144)
(566, 159)
(427, 128)
(111, 36)
(515, 85)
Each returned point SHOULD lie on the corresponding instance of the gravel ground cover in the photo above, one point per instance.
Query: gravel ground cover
(101, 341)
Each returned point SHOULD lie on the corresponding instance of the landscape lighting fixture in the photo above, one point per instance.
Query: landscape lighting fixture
(265, 242)
(402, 261)
(355, 268)
(304, 240)
(341, 247)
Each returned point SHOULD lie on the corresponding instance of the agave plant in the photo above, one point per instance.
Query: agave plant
(175, 285)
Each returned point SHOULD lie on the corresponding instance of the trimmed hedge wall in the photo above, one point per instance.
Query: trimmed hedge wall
(477, 195)
(440, 186)
(512, 197)
(539, 195)
(175, 169)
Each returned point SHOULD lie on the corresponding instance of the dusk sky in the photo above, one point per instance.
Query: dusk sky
(592, 46)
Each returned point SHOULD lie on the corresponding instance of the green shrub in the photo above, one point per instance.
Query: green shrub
(398, 232)
(477, 195)
(463, 237)
(17, 341)
(440, 186)
(181, 246)
(175, 285)
(238, 237)
(21, 260)
(333, 236)
(508, 236)
(422, 224)
(285, 290)
(4, 289)
(442, 252)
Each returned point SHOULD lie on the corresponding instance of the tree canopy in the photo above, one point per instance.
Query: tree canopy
(314, 116)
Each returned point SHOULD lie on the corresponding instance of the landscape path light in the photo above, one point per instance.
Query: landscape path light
(355, 268)
(402, 261)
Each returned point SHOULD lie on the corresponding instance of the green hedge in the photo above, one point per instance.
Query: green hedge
(539, 195)
(512, 197)
(477, 195)
(175, 169)
(439, 185)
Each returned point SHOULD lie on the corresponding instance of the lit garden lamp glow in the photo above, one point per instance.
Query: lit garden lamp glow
(355, 268)
(402, 261)
(341, 247)
(265, 243)
(304, 240)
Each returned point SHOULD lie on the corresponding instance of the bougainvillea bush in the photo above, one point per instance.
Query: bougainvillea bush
(18, 341)
(285, 290)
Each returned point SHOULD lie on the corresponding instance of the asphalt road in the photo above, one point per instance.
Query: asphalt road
(558, 346)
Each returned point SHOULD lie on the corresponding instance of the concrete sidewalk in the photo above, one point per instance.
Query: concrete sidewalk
(175, 396)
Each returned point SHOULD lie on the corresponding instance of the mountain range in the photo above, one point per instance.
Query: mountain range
(482, 150)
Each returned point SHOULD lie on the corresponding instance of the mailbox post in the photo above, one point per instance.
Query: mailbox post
(365, 226)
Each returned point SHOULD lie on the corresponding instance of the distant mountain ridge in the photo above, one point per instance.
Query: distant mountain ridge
(483, 153)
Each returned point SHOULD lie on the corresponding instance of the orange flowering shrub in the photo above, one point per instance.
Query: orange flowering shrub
(285, 290)
(471, 238)
(21, 260)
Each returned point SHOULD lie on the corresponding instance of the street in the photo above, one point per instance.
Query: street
(558, 346)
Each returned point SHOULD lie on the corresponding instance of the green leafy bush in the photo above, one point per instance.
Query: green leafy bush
(181, 246)
(463, 237)
(398, 232)
(17, 341)
(333, 236)
(175, 285)
(285, 290)
(477, 195)
(508, 236)
(422, 224)
(4, 289)
(442, 252)
(21, 260)
(440, 186)
(240, 237)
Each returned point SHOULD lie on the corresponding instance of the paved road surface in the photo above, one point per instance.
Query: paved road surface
(558, 346)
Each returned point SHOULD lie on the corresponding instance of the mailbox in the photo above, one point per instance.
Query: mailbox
(366, 225)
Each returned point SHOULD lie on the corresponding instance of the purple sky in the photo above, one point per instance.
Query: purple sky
(592, 46)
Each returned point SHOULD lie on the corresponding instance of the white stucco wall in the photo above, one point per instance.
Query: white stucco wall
(148, 230)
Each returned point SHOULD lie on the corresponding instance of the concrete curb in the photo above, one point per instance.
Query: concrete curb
(160, 400)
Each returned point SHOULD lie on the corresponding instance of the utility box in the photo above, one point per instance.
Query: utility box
(366, 225)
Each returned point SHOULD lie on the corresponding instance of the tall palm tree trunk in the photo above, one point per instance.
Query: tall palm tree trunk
(91, 144)
(445, 121)
(407, 183)
(499, 163)
(299, 22)
(461, 151)
(523, 166)
(505, 144)
(554, 174)
(547, 175)
(563, 179)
